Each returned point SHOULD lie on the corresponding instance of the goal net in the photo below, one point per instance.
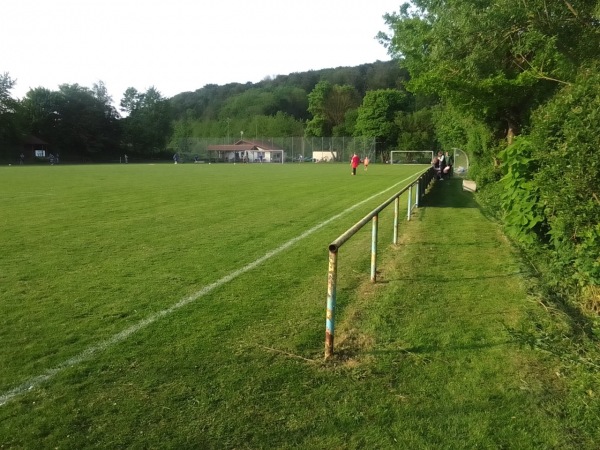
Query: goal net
(460, 162)
(411, 156)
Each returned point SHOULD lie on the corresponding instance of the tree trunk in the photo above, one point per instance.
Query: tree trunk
(512, 129)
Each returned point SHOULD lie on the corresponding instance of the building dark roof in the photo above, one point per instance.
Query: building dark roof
(33, 140)
(232, 148)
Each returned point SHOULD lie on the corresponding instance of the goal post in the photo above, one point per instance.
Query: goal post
(460, 162)
(411, 156)
(276, 156)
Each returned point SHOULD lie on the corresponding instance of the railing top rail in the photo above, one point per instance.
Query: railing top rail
(335, 245)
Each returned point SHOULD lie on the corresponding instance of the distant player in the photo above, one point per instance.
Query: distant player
(354, 162)
(366, 162)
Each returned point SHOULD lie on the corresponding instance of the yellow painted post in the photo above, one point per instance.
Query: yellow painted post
(331, 293)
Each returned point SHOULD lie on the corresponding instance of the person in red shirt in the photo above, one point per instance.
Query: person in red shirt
(354, 162)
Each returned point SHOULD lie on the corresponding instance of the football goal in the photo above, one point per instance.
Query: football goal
(411, 156)
(460, 162)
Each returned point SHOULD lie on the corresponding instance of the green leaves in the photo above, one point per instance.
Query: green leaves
(329, 103)
(495, 60)
(520, 197)
(75, 120)
(566, 140)
(148, 125)
(9, 126)
(7, 103)
(377, 112)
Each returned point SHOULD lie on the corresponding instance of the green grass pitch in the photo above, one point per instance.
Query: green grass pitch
(90, 251)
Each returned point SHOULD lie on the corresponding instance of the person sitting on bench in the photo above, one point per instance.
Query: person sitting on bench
(436, 166)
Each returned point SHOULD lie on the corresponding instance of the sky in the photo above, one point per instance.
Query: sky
(183, 45)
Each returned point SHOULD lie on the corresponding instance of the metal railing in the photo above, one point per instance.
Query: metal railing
(420, 183)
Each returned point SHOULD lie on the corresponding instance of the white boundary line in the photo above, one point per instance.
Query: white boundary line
(123, 335)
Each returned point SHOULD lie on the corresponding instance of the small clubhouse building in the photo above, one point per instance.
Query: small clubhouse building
(33, 146)
(247, 151)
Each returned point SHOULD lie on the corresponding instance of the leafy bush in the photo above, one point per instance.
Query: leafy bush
(565, 142)
(522, 215)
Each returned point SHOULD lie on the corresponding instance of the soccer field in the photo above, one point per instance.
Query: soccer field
(155, 270)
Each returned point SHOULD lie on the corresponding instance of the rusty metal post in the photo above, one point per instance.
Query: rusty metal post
(331, 293)
(409, 202)
(396, 216)
(373, 216)
(374, 249)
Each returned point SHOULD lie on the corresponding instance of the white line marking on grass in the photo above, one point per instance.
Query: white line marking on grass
(123, 335)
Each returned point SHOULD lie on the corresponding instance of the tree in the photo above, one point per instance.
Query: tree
(376, 116)
(100, 92)
(148, 126)
(40, 112)
(348, 126)
(9, 130)
(317, 126)
(86, 123)
(131, 100)
(328, 105)
(182, 134)
(493, 60)
(416, 130)
(292, 100)
(252, 102)
(7, 103)
(281, 124)
(75, 120)
(565, 140)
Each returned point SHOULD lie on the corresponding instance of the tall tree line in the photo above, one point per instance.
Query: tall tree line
(83, 124)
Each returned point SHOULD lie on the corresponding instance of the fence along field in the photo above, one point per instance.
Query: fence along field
(94, 254)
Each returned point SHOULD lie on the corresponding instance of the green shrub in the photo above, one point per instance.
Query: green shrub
(519, 198)
(565, 142)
